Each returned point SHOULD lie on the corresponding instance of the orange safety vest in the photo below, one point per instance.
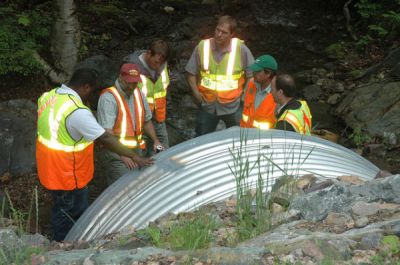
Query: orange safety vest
(123, 126)
(62, 162)
(262, 118)
(221, 81)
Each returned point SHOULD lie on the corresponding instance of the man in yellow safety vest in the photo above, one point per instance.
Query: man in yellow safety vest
(66, 130)
(153, 69)
(217, 72)
(292, 114)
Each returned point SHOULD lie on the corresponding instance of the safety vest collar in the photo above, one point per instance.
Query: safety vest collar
(137, 141)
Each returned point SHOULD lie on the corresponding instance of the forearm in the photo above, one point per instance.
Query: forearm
(111, 143)
(150, 131)
(192, 81)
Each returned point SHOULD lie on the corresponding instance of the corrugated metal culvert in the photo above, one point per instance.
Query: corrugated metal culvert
(199, 171)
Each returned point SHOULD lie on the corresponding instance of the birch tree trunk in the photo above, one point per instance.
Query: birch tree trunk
(65, 42)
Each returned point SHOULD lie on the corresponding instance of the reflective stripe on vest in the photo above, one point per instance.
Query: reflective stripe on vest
(157, 91)
(299, 118)
(262, 117)
(256, 124)
(51, 138)
(217, 81)
(261, 125)
(62, 162)
(132, 143)
(245, 118)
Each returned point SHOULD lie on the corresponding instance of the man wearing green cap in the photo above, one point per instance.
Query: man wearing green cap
(259, 105)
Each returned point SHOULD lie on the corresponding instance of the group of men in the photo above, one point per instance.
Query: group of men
(131, 114)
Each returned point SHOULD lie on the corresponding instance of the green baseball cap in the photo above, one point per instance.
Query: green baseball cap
(264, 62)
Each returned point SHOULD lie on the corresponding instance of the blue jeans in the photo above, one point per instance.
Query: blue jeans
(207, 122)
(68, 205)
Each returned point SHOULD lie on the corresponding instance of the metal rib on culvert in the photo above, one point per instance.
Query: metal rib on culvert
(196, 172)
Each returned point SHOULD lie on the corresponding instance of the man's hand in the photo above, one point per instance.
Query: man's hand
(142, 161)
(156, 144)
(129, 163)
(198, 97)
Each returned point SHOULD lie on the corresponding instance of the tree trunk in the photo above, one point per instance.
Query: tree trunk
(65, 42)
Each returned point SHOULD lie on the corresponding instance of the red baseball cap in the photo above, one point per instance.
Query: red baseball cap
(130, 73)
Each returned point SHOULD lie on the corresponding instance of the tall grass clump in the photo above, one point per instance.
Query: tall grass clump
(14, 250)
(187, 234)
(255, 174)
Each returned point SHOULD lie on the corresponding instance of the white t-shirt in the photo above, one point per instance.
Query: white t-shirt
(81, 122)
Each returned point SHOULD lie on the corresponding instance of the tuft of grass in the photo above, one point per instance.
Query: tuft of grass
(192, 234)
(187, 234)
(253, 206)
(17, 252)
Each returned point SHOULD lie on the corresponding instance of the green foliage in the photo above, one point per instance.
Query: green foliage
(192, 234)
(359, 137)
(22, 32)
(18, 255)
(394, 243)
(380, 20)
(16, 252)
(253, 206)
(155, 235)
(336, 50)
(188, 234)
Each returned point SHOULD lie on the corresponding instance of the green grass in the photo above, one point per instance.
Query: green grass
(17, 252)
(253, 206)
(187, 234)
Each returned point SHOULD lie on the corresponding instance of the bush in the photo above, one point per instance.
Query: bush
(22, 32)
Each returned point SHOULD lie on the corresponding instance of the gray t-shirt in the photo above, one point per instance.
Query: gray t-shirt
(107, 110)
(193, 67)
(138, 58)
(261, 94)
(81, 122)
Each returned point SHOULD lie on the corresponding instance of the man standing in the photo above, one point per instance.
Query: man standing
(124, 112)
(216, 73)
(292, 115)
(66, 129)
(259, 105)
(153, 68)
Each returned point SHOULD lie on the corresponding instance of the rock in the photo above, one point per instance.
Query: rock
(320, 185)
(312, 92)
(17, 135)
(340, 198)
(383, 174)
(371, 241)
(365, 209)
(361, 221)
(340, 220)
(310, 249)
(333, 99)
(378, 150)
(306, 181)
(375, 107)
(351, 180)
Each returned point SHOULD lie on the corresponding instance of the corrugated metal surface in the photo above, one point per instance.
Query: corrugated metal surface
(197, 172)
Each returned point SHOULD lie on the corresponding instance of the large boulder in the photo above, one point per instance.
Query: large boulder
(374, 107)
(17, 136)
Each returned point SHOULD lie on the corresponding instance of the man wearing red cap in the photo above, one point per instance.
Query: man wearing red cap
(123, 110)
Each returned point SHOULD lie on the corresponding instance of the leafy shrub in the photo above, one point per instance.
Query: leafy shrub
(22, 32)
